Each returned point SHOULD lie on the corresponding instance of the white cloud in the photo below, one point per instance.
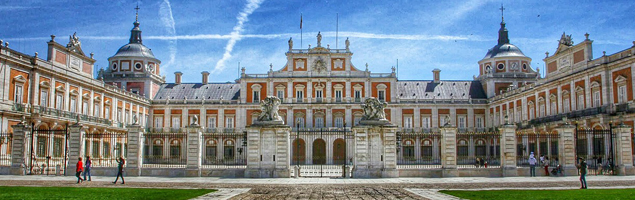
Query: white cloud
(243, 17)
(165, 11)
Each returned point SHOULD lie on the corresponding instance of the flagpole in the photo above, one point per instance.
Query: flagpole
(337, 27)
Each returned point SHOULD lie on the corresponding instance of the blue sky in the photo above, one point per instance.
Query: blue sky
(195, 36)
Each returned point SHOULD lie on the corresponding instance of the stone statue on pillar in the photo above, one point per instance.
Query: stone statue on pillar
(374, 113)
(290, 43)
(348, 43)
(269, 112)
(319, 39)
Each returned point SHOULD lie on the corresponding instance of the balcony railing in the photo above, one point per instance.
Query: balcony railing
(358, 100)
(42, 110)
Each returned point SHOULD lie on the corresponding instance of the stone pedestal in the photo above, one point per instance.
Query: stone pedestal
(268, 151)
(448, 151)
(566, 147)
(75, 147)
(194, 150)
(508, 150)
(375, 153)
(623, 149)
(18, 150)
(134, 161)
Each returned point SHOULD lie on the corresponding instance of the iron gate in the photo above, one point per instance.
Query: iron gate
(596, 147)
(48, 151)
(321, 152)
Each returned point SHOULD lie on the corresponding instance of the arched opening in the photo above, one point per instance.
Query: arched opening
(210, 151)
(229, 152)
(319, 152)
(339, 152)
(299, 152)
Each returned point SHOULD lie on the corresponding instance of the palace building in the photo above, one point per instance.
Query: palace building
(320, 89)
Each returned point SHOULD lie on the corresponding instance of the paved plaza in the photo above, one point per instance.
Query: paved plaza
(330, 188)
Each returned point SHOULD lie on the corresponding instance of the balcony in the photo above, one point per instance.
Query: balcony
(358, 100)
(298, 100)
(338, 99)
(71, 116)
(318, 100)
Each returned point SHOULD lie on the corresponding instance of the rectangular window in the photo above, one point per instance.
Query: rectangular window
(318, 96)
(299, 95)
(44, 96)
(18, 94)
(517, 114)
(531, 112)
(381, 95)
(596, 99)
(565, 105)
(73, 104)
(176, 122)
(580, 102)
(461, 122)
(95, 149)
(280, 94)
(554, 108)
(96, 110)
(58, 147)
(338, 95)
(442, 120)
(407, 121)
(128, 118)
(211, 122)
(479, 122)
(229, 122)
(339, 121)
(299, 121)
(425, 122)
(85, 108)
(41, 146)
(59, 102)
(158, 122)
(358, 96)
(542, 110)
(107, 112)
(256, 96)
(319, 122)
(622, 97)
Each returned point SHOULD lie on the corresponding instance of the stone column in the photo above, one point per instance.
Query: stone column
(508, 149)
(268, 150)
(194, 150)
(75, 147)
(134, 161)
(566, 148)
(449, 151)
(375, 153)
(19, 147)
(623, 149)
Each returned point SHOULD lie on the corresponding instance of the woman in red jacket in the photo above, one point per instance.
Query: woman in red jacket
(80, 169)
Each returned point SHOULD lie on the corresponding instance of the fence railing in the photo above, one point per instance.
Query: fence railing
(105, 148)
(597, 147)
(476, 150)
(165, 150)
(224, 150)
(543, 145)
(416, 149)
(6, 141)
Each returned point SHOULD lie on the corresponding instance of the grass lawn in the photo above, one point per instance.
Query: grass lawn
(544, 194)
(98, 193)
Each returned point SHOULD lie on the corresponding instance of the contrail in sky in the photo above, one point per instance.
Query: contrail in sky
(165, 11)
(251, 6)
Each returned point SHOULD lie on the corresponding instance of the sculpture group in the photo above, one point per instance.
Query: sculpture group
(374, 109)
(269, 109)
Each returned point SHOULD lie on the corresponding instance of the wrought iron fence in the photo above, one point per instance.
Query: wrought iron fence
(543, 145)
(418, 149)
(105, 148)
(164, 150)
(224, 150)
(321, 151)
(47, 151)
(6, 139)
(478, 150)
(597, 148)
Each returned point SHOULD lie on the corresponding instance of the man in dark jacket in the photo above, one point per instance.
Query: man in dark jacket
(120, 163)
(583, 169)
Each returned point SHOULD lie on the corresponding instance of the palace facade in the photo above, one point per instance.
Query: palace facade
(319, 87)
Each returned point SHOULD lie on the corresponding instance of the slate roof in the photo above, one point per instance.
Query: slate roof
(197, 91)
(441, 90)
(504, 50)
(134, 50)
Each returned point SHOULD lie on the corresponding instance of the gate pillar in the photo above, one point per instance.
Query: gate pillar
(508, 149)
(75, 146)
(449, 150)
(134, 161)
(194, 150)
(566, 148)
(18, 149)
(268, 150)
(623, 150)
(375, 146)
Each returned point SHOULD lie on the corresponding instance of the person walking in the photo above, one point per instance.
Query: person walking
(89, 163)
(532, 165)
(583, 169)
(546, 164)
(120, 162)
(80, 168)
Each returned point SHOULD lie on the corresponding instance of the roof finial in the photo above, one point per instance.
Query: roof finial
(137, 12)
(502, 12)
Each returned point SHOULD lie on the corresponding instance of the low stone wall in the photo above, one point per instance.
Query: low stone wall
(429, 173)
(224, 173)
(169, 172)
(104, 171)
(5, 170)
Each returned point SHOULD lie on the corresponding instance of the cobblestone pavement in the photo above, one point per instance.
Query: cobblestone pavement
(326, 188)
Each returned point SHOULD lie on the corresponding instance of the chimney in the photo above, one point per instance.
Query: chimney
(436, 75)
(205, 77)
(177, 77)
